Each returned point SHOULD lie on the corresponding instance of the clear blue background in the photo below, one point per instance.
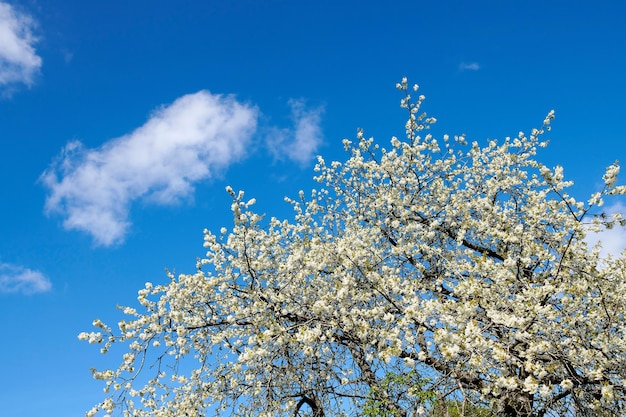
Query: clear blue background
(488, 69)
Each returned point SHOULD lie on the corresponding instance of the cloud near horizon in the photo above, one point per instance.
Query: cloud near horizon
(301, 142)
(14, 279)
(194, 138)
(18, 60)
(613, 241)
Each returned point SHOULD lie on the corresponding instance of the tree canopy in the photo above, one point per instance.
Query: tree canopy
(428, 277)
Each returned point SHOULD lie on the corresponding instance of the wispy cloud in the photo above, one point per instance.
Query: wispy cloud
(18, 60)
(469, 66)
(14, 278)
(301, 142)
(613, 240)
(183, 143)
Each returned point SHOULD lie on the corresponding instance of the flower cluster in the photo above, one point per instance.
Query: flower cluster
(457, 271)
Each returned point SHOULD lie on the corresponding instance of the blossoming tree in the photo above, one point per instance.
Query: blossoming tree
(425, 274)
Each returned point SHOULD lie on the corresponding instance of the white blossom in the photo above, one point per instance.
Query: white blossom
(416, 271)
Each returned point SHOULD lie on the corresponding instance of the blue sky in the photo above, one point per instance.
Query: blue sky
(122, 122)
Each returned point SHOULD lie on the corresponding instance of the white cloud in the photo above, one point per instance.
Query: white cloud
(15, 278)
(190, 140)
(469, 66)
(301, 142)
(613, 240)
(18, 59)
